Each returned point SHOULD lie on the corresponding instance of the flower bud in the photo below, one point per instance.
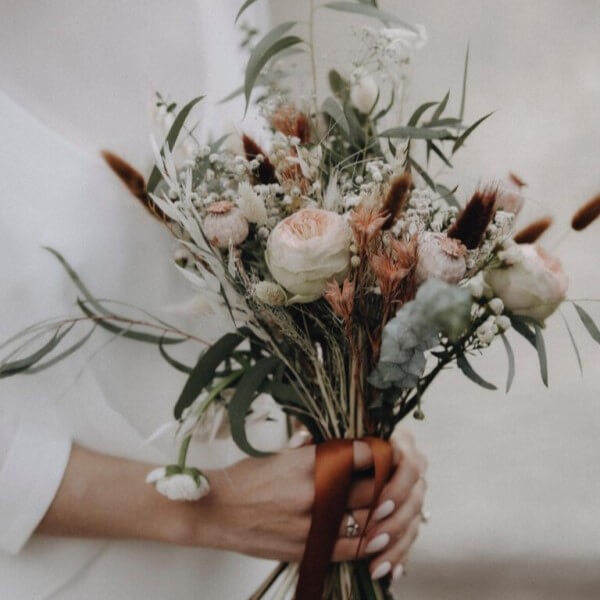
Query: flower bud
(440, 257)
(269, 292)
(496, 306)
(224, 224)
(179, 484)
(363, 93)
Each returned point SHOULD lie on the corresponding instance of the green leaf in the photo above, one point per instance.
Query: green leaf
(523, 329)
(70, 350)
(204, 371)
(421, 171)
(260, 80)
(588, 322)
(16, 366)
(467, 369)
(573, 343)
(541, 349)
(337, 83)
(439, 153)
(441, 107)
(246, 5)
(269, 46)
(172, 361)
(414, 119)
(467, 132)
(284, 394)
(126, 332)
(511, 362)
(369, 11)
(170, 140)
(77, 281)
(243, 397)
(464, 86)
(417, 133)
(357, 134)
(333, 108)
(448, 195)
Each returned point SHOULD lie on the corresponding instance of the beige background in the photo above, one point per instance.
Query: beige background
(514, 480)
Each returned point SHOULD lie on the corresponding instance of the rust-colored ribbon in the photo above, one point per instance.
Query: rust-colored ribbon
(334, 473)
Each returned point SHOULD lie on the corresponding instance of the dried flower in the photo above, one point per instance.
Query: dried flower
(271, 293)
(341, 299)
(440, 257)
(265, 172)
(396, 198)
(472, 222)
(533, 231)
(224, 224)
(251, 204)
(392, 266)
(587, 214)
(366, 223)
(291, 122)
(510, 198)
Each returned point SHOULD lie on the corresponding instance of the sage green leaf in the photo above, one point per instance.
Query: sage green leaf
(440, 154)
(421, 171)
(573, 343)
(17, 366)
(447, 194)
(239, 405)
(588, 322)
(523, 329)
(246, 5)
(337, 83)
(77, 281)
(357, 133)
(261, 80)
(384, 111)
(464, 86)
(414, 119)
(511, 362)
(269, 46)
(204, 371)
(462, 138)
(179, 366)
(417, 133)
(126, 332)
(441, 107)
(334, 109)
(541, 349)
(170, 140)
(284, 394)
(368, 10)
(467, 369)
(56, 359)
(371, 2)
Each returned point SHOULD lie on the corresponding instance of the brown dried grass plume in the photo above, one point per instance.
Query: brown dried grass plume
(533, 231)
(475, 217)
(587, 214)
(396, 198)
(265, 172)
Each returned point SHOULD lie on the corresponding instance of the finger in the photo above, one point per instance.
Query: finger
(387, 560)
(398, 489)
(363, 457)
(360, 517)
(300, 438)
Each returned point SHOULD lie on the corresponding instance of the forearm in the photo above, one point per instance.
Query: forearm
(104, 496)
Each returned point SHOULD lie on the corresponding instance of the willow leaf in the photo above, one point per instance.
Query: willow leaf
(523, 329)
(447, 194)
(170, 140)
(272, 43)
(422, 172)
(467, 369)
(462, 138)
(56, 359)
(440, 154)
(204, 371)
(441, 107)
(243, 8)
(416, 133)
(239, 405)
(333, 108)
(588, 322)
(511, 362)
(369, 11)
(414, 119)
(541, 350)
(179, 366)
(573, 343)
(464, 86)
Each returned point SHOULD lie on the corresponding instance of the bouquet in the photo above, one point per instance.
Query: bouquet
(346, 274)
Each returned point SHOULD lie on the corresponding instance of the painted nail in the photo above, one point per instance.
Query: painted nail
(382, 570)
(398, 572)
(385, 509)
(299, 439)
(377, 543)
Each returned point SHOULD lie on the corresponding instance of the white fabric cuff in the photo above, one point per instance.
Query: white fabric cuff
(29, 479)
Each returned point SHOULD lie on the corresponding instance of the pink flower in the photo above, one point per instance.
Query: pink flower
(440, 257)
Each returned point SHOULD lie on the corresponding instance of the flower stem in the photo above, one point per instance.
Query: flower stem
(313, 63)
(183, 450)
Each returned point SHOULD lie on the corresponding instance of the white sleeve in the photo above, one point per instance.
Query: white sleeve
(33, 458)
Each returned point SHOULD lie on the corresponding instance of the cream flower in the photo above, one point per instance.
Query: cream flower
(363, 92)
(532, 287)
(440, 257)
(308, 249)
(189, 485)
(251, 204)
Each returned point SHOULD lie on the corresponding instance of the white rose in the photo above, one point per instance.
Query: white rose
(363, 93)
(308, 249)
(179, 486)
(440, 257)
(532, 287)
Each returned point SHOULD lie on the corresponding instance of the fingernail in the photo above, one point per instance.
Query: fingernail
(398, 572)
(385, 509)
(377, 543)
(382, 570)
(299, 439)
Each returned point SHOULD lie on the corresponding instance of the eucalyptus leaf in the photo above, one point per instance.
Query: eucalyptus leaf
(440, 154)
(337, 83)
(588, 322)
(204, 371)
(573, 343)
(239, 405)
(417, 133)
(272, 43)
(179, 366)
(170, 140)
(421, 171)
(333, 108)
(368, 10)
(467, 132)
(414, 119)
(541, 349)
(467, 369)
(523, 329)
(243, 8)
(511, 362)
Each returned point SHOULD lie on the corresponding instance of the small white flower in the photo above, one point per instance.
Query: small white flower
(502, 322)
(251, 204)
(496, 306)
(475, 286)
(189, 485)
(486, 332)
